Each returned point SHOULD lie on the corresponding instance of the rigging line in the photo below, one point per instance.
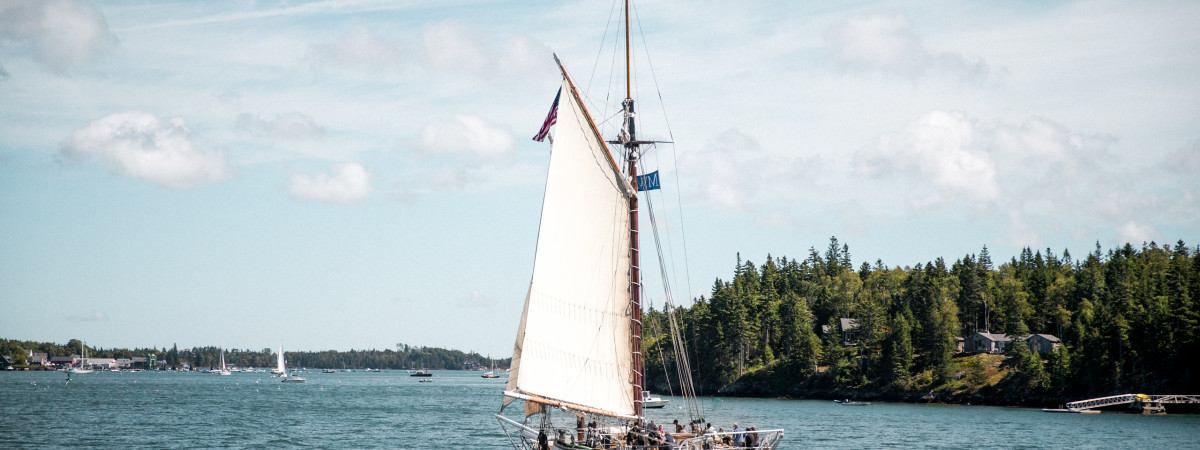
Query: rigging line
(600, 51)
(670, 242)
(674, 155)
(683, 368)
(657, 331)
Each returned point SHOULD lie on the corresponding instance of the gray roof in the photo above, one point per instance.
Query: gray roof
(1048, 337)
(847, 324)
(994, 337)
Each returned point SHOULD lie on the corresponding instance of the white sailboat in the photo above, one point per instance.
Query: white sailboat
(81, 368)
(280, 370)
(491, 373)
(223, 370)
(586, 276)
(283, 370)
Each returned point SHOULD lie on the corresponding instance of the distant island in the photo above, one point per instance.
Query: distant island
(28, 355)
(1039, 330)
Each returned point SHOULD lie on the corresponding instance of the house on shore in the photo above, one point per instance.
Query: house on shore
(62, 361)
(849, 329)
(985, 342)
(1042, 343)
(36, 358)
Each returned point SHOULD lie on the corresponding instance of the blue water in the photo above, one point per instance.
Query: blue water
(393, 410)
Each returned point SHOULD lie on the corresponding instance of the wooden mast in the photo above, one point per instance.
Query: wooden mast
(628, 136)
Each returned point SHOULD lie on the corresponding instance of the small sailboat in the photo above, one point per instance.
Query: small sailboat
(283, 370)
(81, 368)
(223, 370)
(491, 373)
(578, 350)
(279, 370)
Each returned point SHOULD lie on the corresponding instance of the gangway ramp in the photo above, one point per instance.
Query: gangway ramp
(1148, 403)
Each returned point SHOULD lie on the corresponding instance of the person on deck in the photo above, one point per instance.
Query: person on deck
(751, 437)
(738, 438)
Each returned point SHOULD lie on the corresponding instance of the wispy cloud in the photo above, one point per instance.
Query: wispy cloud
(62, 35)
(289, 126)
(139, 145)
(887, 44)
(358, 48)
(344, 183)
(317, 8)
(453, 46)
(1135, 233)
(466, 135)
(734, 171)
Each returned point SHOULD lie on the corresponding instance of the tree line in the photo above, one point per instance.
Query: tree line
(403, 357)
(1128, 320)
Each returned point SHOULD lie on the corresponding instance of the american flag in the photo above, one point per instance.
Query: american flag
(551, 119)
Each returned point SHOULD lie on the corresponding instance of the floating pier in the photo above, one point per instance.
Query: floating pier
(1145, 404)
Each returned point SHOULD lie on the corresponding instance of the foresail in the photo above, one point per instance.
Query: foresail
(573, 344)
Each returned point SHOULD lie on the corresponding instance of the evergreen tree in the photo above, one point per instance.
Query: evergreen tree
(898, 353)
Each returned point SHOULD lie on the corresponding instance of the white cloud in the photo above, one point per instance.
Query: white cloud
(292, 126)
(466, 135)
(940, 154)
(359, 48)
(734, 172)
(886, 43)
(139, 145)
(60, 34)
(1135, 233)
(346, 183)
(452, 46)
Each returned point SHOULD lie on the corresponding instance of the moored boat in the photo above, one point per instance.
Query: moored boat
(652, 402)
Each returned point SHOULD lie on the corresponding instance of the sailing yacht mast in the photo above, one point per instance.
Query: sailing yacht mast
(629, 140)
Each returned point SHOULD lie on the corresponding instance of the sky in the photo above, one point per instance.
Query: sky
(357, 174)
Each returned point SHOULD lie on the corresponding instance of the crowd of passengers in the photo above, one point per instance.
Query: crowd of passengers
(655, 436)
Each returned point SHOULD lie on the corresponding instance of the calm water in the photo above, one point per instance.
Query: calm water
(391, 409)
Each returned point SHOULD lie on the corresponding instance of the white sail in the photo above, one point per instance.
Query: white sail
(279, 366)
(573, 343)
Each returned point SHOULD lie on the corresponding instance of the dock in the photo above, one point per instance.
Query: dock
(1143, 403)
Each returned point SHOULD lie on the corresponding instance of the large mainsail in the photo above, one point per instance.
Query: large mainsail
(573, 344)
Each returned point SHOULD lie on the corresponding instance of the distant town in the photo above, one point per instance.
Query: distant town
(28, 355)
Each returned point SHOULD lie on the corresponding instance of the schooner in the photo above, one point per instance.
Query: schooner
(578, 352)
